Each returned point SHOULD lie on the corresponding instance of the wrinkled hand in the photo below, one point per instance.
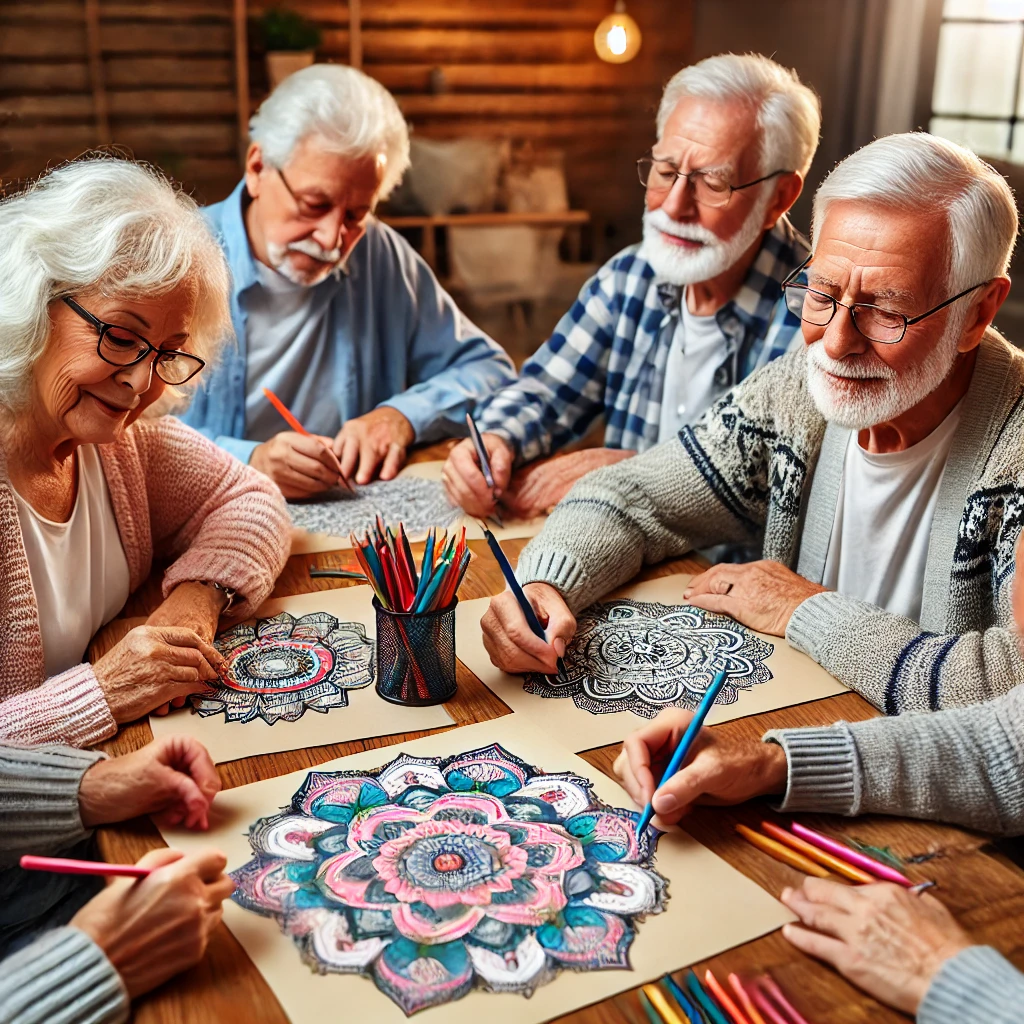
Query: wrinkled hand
(759, 595)
(377, 439)
(511, 643)
(464, 480)
(888, 941)
(300, 466)
(171, 778)
(720, 770)
(192, 606)
(154, 667)
(537, 488)
(152, 928)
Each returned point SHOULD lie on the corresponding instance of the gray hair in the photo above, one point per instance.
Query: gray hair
(102, 225)
(353, 115)
(915, 171)
(788, 112)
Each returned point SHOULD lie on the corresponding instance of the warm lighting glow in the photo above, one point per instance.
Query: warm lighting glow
(617, 38)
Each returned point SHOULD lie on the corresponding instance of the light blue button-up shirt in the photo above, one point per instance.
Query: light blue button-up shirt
(398, 339)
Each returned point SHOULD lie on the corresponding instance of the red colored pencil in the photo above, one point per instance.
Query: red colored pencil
(67, 866)
(288, 416)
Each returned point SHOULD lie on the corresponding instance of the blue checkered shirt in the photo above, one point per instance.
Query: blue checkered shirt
(607, 355)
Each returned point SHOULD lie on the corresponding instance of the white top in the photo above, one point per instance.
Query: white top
(879, 544)
(288, 350)
(79, 570)
(698, 349)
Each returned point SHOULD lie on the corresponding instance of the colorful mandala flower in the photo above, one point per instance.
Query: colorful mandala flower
(641, 657)
(434, 875)
(278, 668)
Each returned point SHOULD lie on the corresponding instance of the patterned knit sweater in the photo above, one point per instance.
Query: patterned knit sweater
(176, 496)
(762, 466)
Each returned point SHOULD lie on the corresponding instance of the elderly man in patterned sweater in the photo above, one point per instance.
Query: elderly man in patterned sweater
(881, 467)
(667, 327)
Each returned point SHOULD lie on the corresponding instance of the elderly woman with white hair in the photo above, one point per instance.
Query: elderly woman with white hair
(113, 302)
(334, 311)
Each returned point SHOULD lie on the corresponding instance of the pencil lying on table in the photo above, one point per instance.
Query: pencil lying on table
(67, 866)
(825, 859)
(782, 853)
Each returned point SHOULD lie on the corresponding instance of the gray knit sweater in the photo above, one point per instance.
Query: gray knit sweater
(964, 766)
(763, 466)
(63, 977)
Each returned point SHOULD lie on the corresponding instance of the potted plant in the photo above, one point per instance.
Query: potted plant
(290, 42)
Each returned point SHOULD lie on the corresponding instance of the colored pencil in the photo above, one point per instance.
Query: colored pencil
(485, 463)
(690, 1008)
(685, 743)
(744, 997)
(766, 1007)
(341, 574)
(292, 421)
(662, 1005)
(67, 866)
(842, 851)
(651, 1013)
(767, 984)
(839, 866)
(724, 999)
(705, 1001)
(782, 853)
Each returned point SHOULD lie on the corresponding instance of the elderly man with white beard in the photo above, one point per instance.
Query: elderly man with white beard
(333, 311)
(667, 327)
(881, 467)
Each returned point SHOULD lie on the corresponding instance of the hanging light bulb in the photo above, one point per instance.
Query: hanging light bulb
(617, 38)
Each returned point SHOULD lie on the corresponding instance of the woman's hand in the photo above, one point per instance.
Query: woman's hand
(171, 778)
(152, 928)
(719, 770)
(510, 642)
(194, 606)
(884, 939)
(154, 667)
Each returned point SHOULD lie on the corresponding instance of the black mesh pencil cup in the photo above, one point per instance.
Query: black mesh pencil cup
(416, 656)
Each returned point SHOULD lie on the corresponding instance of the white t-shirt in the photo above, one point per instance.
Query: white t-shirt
(698, 349)
(79, 570)
(288, 350)
(879, 544)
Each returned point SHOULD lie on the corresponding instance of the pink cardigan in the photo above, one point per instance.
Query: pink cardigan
(175, 495)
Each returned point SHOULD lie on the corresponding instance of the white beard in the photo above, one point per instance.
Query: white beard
(887, 394)
(679, 266)
(278, 254)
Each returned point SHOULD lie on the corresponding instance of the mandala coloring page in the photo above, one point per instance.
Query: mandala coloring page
(278, 668)
(641, 657)
(433, 876)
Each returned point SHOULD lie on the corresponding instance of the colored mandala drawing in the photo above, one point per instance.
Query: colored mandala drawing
(279, 668)
(641, 656)
(419, 504)
(433, 876)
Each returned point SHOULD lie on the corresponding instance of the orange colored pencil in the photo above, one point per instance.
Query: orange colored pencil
(723, 997)
(782, 853)
(289, 418)
(840, 867)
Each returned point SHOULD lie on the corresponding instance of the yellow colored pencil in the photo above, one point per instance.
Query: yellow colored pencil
(662, 1005)
(782, 853)
(840, 867)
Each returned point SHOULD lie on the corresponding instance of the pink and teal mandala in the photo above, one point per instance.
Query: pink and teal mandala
(433, 876)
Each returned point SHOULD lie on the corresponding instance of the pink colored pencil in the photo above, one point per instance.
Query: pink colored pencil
(66, 866)
(767, 982)
(763, 1004)
(744, 997)
(842, 851)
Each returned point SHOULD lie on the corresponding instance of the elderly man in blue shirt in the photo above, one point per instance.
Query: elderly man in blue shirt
(667, 327)
(333, 311)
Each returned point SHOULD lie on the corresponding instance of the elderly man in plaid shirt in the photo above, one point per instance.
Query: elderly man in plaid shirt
(668, 326)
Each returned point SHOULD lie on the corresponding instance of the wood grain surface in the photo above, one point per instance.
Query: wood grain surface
(981, 886)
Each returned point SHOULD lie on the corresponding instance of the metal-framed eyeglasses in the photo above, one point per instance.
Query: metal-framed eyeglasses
(876, 323)
(122, 347)
(709, 188)
(317, 211)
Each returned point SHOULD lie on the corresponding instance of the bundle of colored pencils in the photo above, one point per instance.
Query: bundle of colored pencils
(385, 556)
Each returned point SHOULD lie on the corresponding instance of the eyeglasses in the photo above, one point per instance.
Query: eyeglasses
(121, 347)
(884, 326)
(709, 189)
(317, 211)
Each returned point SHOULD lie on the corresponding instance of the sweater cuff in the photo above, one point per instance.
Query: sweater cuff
(814, 619)
(559, 569)
(823, 773)
(977, 986)
(61, 978)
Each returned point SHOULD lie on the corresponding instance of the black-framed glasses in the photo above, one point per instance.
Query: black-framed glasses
(884, 326)
(121, 347)
(709, 189)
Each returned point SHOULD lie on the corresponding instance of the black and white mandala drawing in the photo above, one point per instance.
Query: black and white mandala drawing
(641, 656)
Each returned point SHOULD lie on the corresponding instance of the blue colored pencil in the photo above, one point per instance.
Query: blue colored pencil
(684, 745)
(691, 1011)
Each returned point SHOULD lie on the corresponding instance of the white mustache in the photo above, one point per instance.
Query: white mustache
(853, 368)
(310, 248)
(691, 232)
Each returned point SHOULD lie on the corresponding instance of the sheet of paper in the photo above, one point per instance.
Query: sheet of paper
(710, 907)
(366, 715)
(795, 678)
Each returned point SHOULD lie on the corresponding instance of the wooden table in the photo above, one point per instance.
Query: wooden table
(982, 887)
